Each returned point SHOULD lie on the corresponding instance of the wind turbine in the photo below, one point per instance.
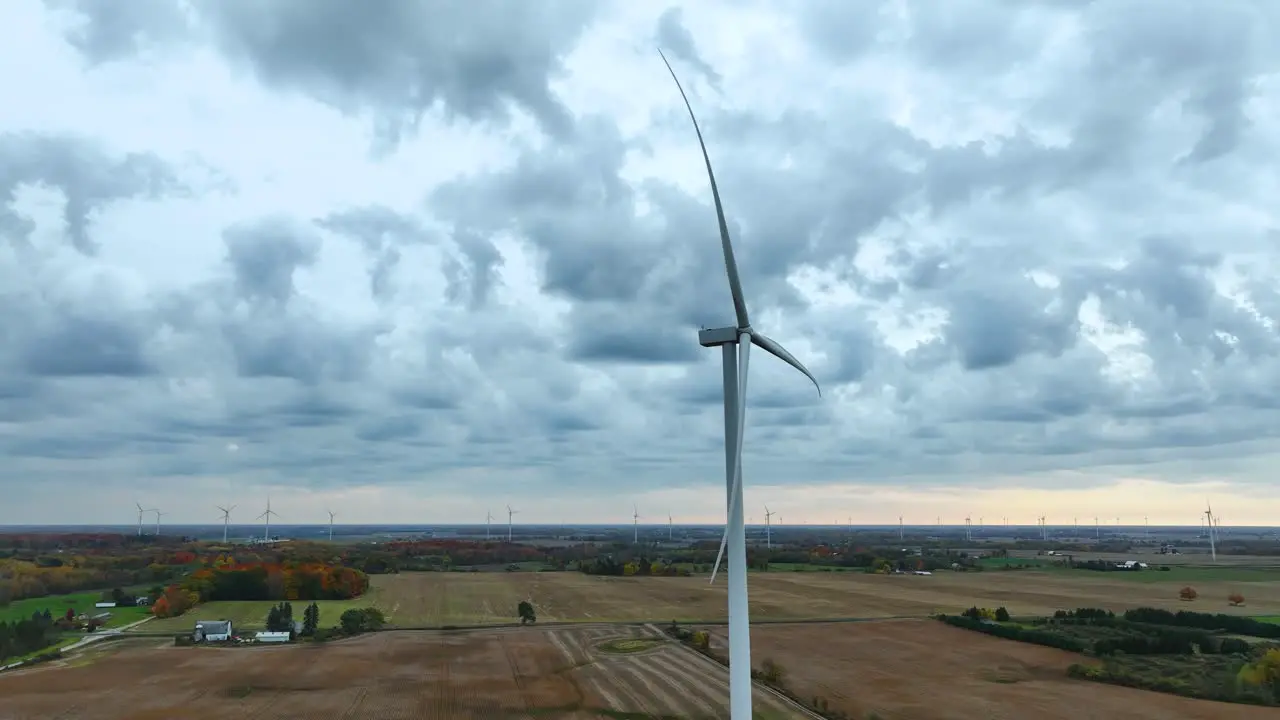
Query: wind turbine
(1213, 540)
(635, 524)
(158, 514)
(226, 519)
(1097, 528)
(768, 527)
(671, 529)
(900, 530)
(142, 510)
(266, 531)
(510, 514)
(331, 516)
(735, 343)
(488, 518)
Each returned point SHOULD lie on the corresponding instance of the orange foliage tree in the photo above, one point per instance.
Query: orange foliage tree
(1236, 599)
(1188, 593)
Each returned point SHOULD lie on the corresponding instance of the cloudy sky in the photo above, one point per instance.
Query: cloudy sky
(417, 260)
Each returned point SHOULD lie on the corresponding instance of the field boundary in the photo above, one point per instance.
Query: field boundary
(786, 700)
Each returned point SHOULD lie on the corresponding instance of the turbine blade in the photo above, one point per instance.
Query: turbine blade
(781, 353)
(730, 264)
(744, 361)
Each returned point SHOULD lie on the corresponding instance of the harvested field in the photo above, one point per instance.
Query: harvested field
(246, 615)
(434, 599)
(924, 670)
(518, 672)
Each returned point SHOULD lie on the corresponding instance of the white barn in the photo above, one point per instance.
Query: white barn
(272, 637)
(212, 630)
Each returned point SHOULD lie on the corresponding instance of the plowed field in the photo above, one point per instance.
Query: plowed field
(924, 670)
(517, 673)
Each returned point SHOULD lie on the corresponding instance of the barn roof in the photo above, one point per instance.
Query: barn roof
(216, 627)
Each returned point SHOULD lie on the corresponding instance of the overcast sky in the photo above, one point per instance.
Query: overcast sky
(414, 261)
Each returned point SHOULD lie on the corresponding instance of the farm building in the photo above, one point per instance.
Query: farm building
(272, 637)
(104, 604)
(212, 630)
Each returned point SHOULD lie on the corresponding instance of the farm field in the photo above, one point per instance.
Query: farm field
(248, 614)
(433, 599)
(560, 673)
(879, 667)
(81, 602)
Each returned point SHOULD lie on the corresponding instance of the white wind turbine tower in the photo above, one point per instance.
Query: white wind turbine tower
(266, 531)
(1213, 539)
(1097, 528)
(768, 527)
(671, 529)
(510, 514)
(226, 519)
(158, 514)
(900, 531)
(735, 343)
(968, 528)
(332, 514)
(142, 510)
(635, 525)
(488, 519)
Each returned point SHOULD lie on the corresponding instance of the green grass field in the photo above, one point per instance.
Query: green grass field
(82, 603)
(1275, 619)
(1191, 575)
(808, 567)
(249, 615)
(999, 562)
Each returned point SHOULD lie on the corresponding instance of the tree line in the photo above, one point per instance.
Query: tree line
(261, 581)
(27, 635)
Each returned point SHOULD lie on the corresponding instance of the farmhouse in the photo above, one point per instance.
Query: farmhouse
(212, 630)
(1132, 565)
(272, 637)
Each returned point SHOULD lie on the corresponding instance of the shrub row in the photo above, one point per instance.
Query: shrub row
(1175, 686)
(1205, 621)
(1010, 632)
(1128, 637)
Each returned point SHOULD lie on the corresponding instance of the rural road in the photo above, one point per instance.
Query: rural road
(88, 638)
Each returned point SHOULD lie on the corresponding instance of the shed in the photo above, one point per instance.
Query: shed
(272, 637)
(212, 630)
(104, 604)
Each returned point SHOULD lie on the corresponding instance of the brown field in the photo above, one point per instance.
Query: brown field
(435, 599)
(415, 599)
(924, 670)
(519, 672)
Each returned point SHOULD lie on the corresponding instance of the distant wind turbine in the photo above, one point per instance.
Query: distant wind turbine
(671, 529)
(1213, 539)
(488, 520)
(266, 531)
(635, 524)
(142, 510)
(226, 519)
(768, 527)
(331, 516)
(900, 530)
(735, 343)
(158, 514)
(510, 514)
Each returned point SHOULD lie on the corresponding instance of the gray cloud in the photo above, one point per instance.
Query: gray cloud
(1062, 256)
(477, 61)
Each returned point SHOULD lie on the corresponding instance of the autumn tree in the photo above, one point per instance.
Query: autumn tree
(1188, 593)
(1236, 599)
(771, 672)
(526, 612)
